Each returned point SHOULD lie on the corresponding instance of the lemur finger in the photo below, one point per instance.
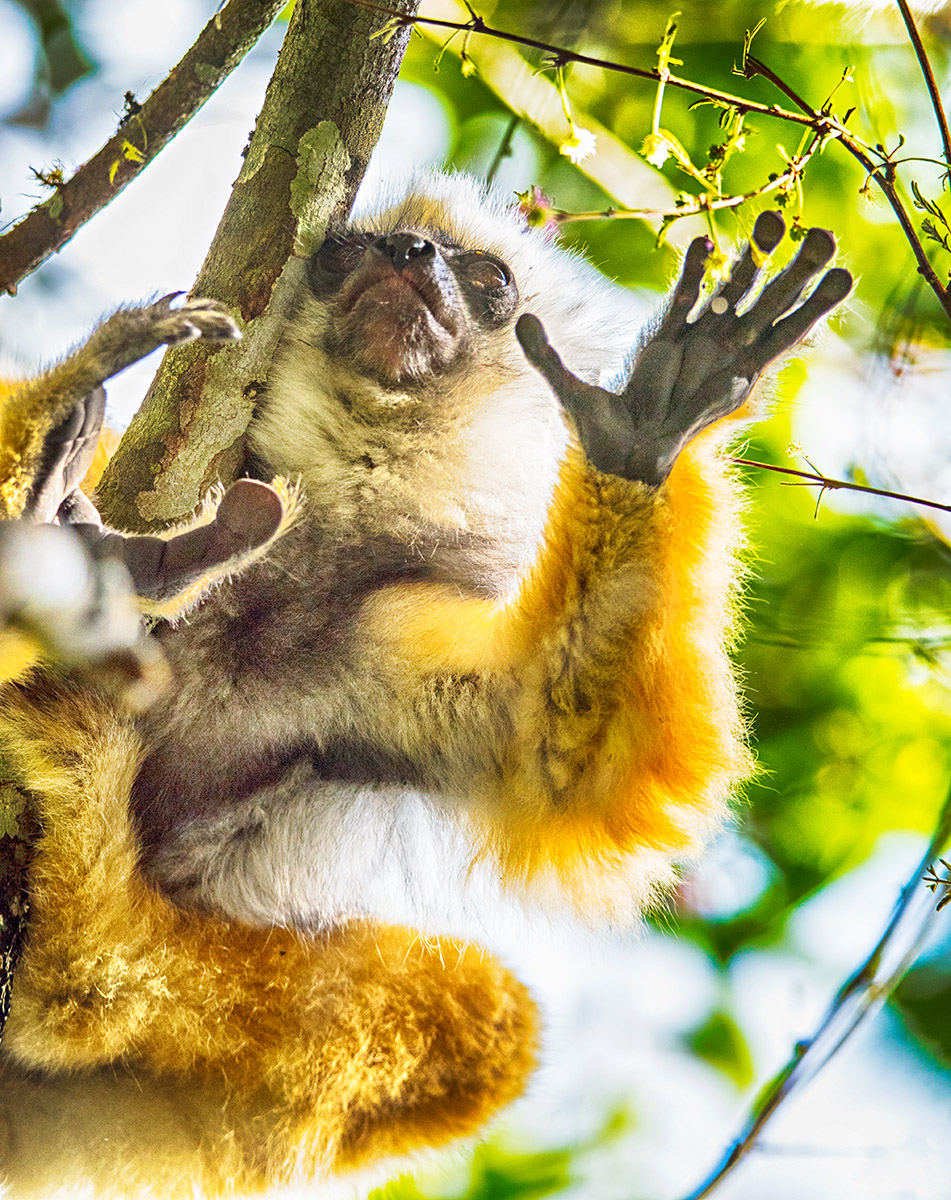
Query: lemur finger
(78, 509)
(688, 286)
(768, 231)
(780, 294)
(68, 450)
(831, 290)
(248, 516)
(545, 359)
(605, 426)
(539, 351)
(767, 234)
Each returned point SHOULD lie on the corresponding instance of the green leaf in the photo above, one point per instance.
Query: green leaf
(720, 1042)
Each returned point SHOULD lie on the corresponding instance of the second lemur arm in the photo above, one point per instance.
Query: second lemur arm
(596, 716)
(69, 594)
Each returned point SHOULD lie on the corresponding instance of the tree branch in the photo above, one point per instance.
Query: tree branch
(141, 135)
(824, 124)
(561, 55)
(883, 174)
(832, 485)
(925, 63)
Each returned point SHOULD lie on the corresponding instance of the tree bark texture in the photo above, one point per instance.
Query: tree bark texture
(321, 118)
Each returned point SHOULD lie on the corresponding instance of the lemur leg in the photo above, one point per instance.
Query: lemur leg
(692, 373)
(70, 595)
(68, 450)
(39, 406)
(328, 1050)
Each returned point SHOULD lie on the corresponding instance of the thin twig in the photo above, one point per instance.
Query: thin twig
(702, 203)
(142, 134)
(925, 63)
(504, 149)
(844, 484)
(885, 179)
(560, 55)
(821, 121)
(860, 996)
(505, 146)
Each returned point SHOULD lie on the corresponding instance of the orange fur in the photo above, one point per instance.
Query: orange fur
(300, 1055)
(613, 661)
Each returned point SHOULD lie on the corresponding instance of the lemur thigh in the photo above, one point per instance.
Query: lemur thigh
(325, 1052)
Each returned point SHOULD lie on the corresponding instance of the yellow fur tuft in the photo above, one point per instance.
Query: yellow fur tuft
(257, 1056)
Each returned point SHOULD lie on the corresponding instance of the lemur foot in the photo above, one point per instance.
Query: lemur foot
(68, 451)
(78, 603)
(122, 339)
(194, 318)
(692, 373)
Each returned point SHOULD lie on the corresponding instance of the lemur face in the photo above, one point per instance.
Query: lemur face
(406, 307)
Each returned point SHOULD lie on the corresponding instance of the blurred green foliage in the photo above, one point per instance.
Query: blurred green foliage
(497, 1174)
(720, 1042)
(923, 999)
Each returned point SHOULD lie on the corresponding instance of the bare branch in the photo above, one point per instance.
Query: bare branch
(142, 134)
(561, 56)
(700, 204)
(859, 997)
(883, 174)
(827, 126)
(925, 63)
(833, 485)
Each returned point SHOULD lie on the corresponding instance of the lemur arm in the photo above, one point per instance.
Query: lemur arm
(69, 593)
(605, 704)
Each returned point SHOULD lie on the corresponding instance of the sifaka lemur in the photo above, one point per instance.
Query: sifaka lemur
(502, 607)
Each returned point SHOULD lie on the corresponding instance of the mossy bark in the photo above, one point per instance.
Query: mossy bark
(321, 118)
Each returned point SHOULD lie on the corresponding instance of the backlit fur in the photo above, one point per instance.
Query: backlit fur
(469, 635)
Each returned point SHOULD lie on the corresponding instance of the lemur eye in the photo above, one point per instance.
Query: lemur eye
(489, 285)
(483, 271)
(339, 255)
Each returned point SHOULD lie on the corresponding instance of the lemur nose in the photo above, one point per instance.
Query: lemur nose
(399, 248)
